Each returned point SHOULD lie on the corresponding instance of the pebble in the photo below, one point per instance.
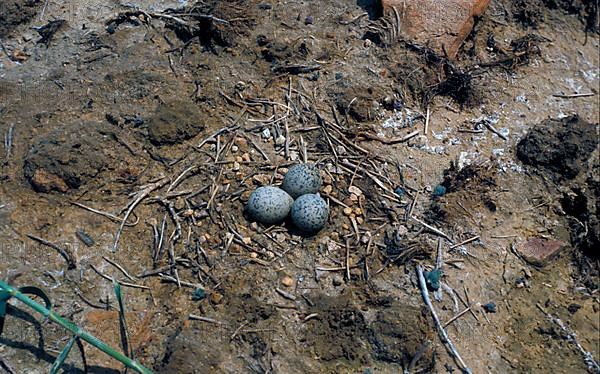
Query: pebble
(247, 240)
(302, 179)
(347, 211)
(246, 157)
(280, 140)
(336, 281)
(234, 148)
(327, 190)
(355, 190)
(266, 133)
(216, 298)
(236, 166)
(287, 281)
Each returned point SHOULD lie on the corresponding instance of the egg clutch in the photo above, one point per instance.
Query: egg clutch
(297, 198)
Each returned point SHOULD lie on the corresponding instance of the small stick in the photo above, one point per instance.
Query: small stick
(439, 262)
(426, 130)
(285, 294)
(111, 279)
(573, 96)
(493, 129)
(238, 330)
(141, 195)
(572, 338)
(310, 316)
(457, 316)
(66, 254)
(442, 333)
(105, 214)
(433, 229)
(464, 242)
(119, 267)
(347, 260)
(204, 319)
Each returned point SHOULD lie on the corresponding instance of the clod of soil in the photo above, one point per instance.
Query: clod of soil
(16, 12)
(399, 332)
(340, 331)
(66, 159)
(559, 146)
(359, 103)
(174, 122)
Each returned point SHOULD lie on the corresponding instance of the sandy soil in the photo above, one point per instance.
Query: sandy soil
(121, 98)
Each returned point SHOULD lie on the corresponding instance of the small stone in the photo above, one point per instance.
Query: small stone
(539, 251)
(280, 140)
(234, 148)
(336, 281)
(355, 190)
(308, 20)
(254, 226)
(247, 240)
(358, 211)
(266, 133)
(253, 255)
(327, 190)
(246, 157)
(294, 156)
(418, 141)
(490, 307)
(236, 166)
(347, 211)
(216, 298)
(345, 226)
(360, 220)
(241, 143)
(327, 179)
(287, 281)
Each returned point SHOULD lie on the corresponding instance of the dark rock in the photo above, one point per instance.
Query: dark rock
(174, 122)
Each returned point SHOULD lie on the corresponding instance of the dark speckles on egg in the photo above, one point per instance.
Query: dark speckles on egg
(269, 205)
(310, 213)
(302, 179)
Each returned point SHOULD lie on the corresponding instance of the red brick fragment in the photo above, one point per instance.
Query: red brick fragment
(439, 24)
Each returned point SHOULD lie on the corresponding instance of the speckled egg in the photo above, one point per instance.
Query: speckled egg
(269, 205)
(302, 179)
(310, 213)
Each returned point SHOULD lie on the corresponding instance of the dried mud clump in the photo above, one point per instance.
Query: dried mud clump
(400, 333)
(174, 122)
(559, 146)
(339, 332)
(472, 185)
(66, 159)
(16, 12)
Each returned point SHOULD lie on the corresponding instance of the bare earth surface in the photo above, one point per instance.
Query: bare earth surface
(191, 113)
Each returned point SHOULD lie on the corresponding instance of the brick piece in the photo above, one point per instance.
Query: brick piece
(439, 24)
(539, 251)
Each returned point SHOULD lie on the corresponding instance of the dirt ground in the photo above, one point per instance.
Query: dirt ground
(183, 108)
